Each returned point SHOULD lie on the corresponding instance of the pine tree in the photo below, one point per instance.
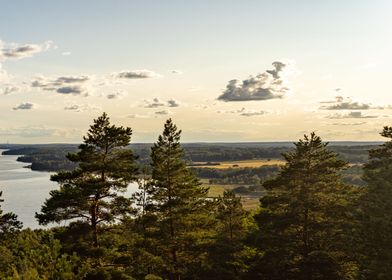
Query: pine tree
(8, 221)
(226, 253)
(92, 192)
(179, 203)
(375, 231)
(304, 223)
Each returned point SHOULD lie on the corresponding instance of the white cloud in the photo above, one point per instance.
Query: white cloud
(82, 108)
(173, 103)
(245, 112)
(74, 90)
(119, 94)
(351, 115)
(178, 72)
(19, 51)
(75, 85)
(349, 124)
(3, 74)
(271, 84)
(138, 116)
(164, 112)
(341, 103)
(70, 80)
(156, 103)
(137, 74)
(9, 89)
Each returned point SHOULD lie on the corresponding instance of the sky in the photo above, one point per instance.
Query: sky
(223, 70)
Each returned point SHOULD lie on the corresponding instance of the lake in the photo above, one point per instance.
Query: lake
(24, 190)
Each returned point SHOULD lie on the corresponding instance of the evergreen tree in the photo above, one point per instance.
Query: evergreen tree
(375, 234)
(179, 203)
(8, 221)
(227, 252)
(91, 192)
(304, 223)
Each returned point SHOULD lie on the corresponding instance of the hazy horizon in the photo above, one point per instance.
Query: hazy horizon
(205, 142)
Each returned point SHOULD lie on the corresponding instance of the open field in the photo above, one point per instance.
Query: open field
(249, 203)
(253, 163)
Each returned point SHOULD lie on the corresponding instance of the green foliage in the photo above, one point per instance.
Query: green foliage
(375, 215)
(303, 224)
(179, 205)
(8, 222)
(37, 255)
(311, 223)
(90, 193)
(247, 175)
(227, 254)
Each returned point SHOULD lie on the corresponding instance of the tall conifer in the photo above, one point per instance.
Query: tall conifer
(92, 192)
(303, 221)
(375, 217)
(179, 202)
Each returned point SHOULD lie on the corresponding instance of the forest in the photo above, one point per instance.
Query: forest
(311, 222)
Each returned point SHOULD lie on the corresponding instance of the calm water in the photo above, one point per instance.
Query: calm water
(24, 191)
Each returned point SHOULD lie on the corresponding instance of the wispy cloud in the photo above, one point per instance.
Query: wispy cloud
(82, 108)
(349, 124)
(173, 103)
(3, 74)
(24, 106)
(74, 85)
(74, 90)
(137, 74)
(351, 115)
(164, 112)
(9, 89)
(40, 131)
(271, 84)
(19, 51)
(119, 94)
(156, 103)
(178, 72)
(27, 132)
(245, 112)
(139, 116)
(341, 103)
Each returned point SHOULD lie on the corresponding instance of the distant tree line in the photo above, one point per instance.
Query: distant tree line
(309, 225)
(53, 157)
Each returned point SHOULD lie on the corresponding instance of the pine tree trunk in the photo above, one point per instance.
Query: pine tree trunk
(94, 228)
